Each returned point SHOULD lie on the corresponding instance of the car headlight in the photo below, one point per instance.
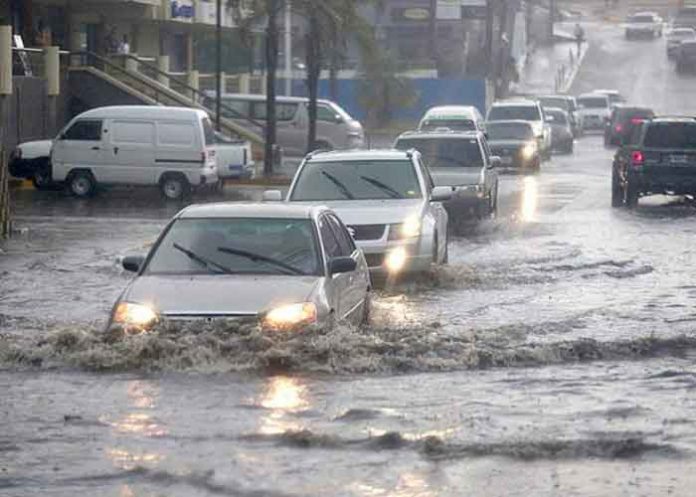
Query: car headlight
(395, 259)
(291, 316)
(529, 150)
(135, 315)
(410, 228)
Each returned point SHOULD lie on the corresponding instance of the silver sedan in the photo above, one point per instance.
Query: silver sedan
(285, 267)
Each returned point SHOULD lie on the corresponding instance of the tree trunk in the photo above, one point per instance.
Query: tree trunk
(313, 54)
(271, 68)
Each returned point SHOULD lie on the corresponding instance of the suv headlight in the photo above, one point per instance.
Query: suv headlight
(290, 316)
(410, 228)
(135, 315)
(529, 150)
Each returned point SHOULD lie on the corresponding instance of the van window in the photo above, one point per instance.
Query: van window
(232, 108)
(84, 130)
(208, 132)
(284, 111)
(132, 132)
(326, 114)
(179, 134)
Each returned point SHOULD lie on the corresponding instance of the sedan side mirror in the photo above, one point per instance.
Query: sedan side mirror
(339, 265)
(494, 162)
(272, 196)
(441, 194)
(133, 263)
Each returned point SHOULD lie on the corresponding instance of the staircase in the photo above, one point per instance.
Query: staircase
(96, 81)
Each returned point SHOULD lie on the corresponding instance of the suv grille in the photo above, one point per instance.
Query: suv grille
(367, 231)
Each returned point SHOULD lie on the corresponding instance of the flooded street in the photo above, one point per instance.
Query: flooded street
(553, 356)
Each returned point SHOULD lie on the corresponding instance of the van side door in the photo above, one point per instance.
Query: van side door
(179, 148)
(79, 147)
(130, 152)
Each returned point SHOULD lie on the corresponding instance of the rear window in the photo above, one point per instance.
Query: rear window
(557, 117)
(593, 102)
(671, 135)
(640, 19)
(561, 103)
(626, 114)
(456, 124)
(514, 112)
(208, 132)
(445, 152)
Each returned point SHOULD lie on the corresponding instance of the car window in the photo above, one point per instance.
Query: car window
(455, 124)
(326, 114)
(208, 132)
(510, 131)
(84, 130)
(284, 111)
(593, 102)
(232, 108)
(329, 239)
(514, 112)
(356, 180)
(345, 241)
(671, 135)
(239, 245)
(561, 103)
(445, 152)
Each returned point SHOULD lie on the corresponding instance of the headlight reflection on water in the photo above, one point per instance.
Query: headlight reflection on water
(283, 396)
(530, 199)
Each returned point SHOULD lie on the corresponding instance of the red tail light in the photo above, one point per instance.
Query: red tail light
(637, 158)
(636, 120)
(618, 128)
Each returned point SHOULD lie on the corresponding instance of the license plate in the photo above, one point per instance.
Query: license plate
(679, 159)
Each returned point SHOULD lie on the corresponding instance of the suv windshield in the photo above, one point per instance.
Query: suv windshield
(445, 152)
(356, 180)
(512, 112)
(671, 135)
(593, 102)
(453, 123)
(509, 131)
(237, 245)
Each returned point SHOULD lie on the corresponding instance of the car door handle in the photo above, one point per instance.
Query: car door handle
(96, 148)
(115, 150)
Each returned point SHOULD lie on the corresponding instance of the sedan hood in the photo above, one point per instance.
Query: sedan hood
(456, 176)
(508, 143)
(357, 212)
(219, 294)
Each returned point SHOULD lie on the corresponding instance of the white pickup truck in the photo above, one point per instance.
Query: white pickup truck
(644, 24)
(32, 160)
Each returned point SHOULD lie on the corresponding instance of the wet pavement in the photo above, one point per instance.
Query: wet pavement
(554, 356)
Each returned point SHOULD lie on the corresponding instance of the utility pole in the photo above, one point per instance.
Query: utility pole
(552, 19)
(432, 31)
(489, 37)
(288, 47)
(218, 63)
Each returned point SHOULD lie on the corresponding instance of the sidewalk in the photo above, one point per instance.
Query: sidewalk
(551, 69)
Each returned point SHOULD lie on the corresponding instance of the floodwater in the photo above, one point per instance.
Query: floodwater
(554, 356)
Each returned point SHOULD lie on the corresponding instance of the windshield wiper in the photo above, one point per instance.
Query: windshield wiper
(339, 184)
(262, 258)
(385, 188)
(203, 261)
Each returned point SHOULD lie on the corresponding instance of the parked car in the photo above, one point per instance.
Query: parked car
(460, 160)
(32, 160)
(686, 56)
(562, 139)
(568, 104)
(454, 117)
(233, 158)
(172, 147)
(336, 129)
(623, 120)
(388, 200)
(525, 110)
(644, 24)
(594, 110)
(286, 267)
(676, 36)
(659, 158)
(514, 142)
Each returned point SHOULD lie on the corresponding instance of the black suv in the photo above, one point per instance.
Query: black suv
(659, 158)
(623, 120)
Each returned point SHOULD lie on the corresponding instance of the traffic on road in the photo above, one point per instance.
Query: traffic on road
(498, 305)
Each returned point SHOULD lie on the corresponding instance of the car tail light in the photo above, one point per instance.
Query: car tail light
(618, 128)
(636, 120)
(637, 158)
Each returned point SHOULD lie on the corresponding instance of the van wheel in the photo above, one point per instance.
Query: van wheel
(174, 186)
(82, 184)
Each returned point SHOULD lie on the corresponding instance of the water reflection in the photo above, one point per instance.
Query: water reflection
(530, 199)
(283, 396)
(409, 484)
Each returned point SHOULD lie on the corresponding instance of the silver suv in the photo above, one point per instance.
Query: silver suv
(525, 110)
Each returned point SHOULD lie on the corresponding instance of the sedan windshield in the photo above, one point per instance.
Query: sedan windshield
(446, 152)
(237, 246)
(593, 102)
(510, 131)
(511, 112)
(357, 180)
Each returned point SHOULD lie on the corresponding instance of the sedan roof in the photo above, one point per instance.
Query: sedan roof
(279, 210)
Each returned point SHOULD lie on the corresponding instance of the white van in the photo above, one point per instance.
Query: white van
(336, 129)
(172, 147)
